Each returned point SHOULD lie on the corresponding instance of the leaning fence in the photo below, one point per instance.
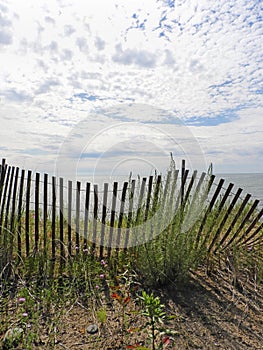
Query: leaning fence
(42, 213)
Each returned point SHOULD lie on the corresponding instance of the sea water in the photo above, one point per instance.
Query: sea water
(250, 183)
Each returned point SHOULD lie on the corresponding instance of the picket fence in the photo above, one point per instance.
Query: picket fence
(44, 213)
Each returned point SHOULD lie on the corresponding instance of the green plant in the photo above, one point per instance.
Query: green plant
(154, 311)
(102, 315)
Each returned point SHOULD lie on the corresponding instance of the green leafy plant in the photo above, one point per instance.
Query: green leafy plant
(154, 311)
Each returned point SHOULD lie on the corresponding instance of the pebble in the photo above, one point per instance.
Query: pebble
(92, 329)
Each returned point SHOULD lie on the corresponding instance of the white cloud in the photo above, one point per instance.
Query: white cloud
(196, 58)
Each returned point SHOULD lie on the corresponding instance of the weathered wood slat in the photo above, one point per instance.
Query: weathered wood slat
(86, 215)
(220, 208)
(19, 214)
(190, 186)
(226, 216)
(255, 237)
(140, 200)
(103, 220)
(243, 223)
(78, 216)
(69, 228)
(250, 228)
(9, 195)
(156, 195)
(2, 177)
(14, 201)
(27, 219)
(234, 221)
(130, 213)
(112, 218)
(183, 179)
(54, 212)
(208, 211)
(45, 213)
(148, 199)
(61, 219)
(6, 183)
(123, 198)
(95, 218)
(37, 179)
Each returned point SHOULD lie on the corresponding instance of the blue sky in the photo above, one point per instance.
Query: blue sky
(163, 65)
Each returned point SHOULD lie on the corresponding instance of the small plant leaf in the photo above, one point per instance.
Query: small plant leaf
(126, 300)
(116, 296)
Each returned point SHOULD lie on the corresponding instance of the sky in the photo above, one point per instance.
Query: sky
(110, 87)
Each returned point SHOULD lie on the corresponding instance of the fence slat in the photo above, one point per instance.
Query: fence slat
(9, 196)
(140, 200)
(246, 218)
(228, 212)
(190, 186)
(130, 214)
(53, 224)
(20, 208)
(250, 228)
(210, 207)
(14, 200)
(45, 213)
(4, 197)
(27, 219)
(95, 218)
(183, 179)
(86, 216)
(37, 179)
(69, 217)
(234, 221)
(220, 207)
(112, 218)
(148, 199)
(156, 193)
(103, 220)
(78, 215)
(61, 219)
(123, 198)
(2, 177)
(254, 235)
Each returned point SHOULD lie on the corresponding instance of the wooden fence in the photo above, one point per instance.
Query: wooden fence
(43, 213)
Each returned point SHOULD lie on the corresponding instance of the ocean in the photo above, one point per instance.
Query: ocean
(250, 183)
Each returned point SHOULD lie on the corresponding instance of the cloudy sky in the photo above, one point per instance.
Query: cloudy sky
(118, 85)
